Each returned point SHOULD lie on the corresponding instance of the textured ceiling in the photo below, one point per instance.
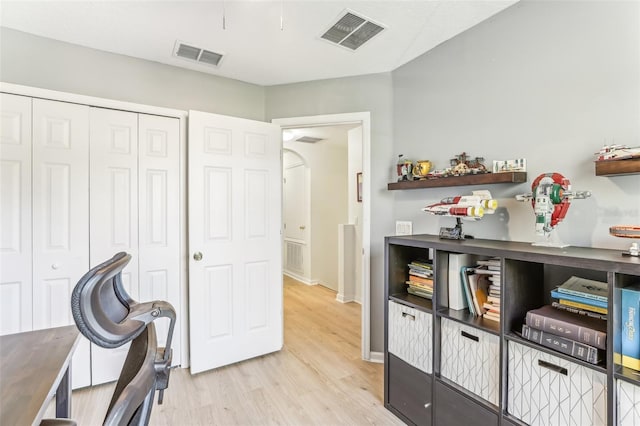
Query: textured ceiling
(264, 42)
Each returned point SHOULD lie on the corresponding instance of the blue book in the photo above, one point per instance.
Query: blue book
(579, 299)
(630, 337)
(583, 287)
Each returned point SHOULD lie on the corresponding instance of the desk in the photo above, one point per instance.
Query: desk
(34, 366)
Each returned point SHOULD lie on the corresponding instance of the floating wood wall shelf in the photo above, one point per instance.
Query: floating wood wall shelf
(480, 179)
(618, 167)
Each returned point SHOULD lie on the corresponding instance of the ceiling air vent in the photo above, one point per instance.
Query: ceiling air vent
(308, 139)
(352, 31)
(197, 54)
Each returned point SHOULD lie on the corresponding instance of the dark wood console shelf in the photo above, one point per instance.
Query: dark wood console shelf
(618, 167)
(480, 179)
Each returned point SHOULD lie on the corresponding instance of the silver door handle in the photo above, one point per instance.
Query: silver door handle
(197, 256)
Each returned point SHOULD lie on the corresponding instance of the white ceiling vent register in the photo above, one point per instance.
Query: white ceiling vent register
(308, 139)
(197, 54)
(352, 31)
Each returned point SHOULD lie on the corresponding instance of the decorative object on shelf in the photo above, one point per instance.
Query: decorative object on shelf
(404, 169)
(627, 231)
(421, 169)
(550, 197)
(517, 165)
(617, 152)
(469, 207)
(463, 165)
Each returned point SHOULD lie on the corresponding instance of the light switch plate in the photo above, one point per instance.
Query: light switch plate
(404, 227)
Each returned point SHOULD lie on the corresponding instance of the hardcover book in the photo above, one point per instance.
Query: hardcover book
(581, 328)
(630, 338)
(579, 299)
(582, 306)
(570, 347)
(585, 288)
(579, 310)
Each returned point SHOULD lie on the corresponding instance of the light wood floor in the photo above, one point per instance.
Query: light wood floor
(318, 377)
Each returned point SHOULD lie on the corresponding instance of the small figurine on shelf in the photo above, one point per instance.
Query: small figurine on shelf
(404, 169)
(421, 169)
(550, 197)
(463, 165)
(468, 207)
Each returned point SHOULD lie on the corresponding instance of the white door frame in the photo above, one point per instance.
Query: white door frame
(363, 118)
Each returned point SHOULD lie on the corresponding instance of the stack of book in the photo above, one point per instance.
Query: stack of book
(491, 269)
(580, 336)
(420, 279)
(477, 282)
(582, 296)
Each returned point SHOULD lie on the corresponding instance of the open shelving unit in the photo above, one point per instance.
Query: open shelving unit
(482, 372)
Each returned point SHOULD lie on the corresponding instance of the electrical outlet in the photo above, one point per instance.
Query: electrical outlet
(404, 227)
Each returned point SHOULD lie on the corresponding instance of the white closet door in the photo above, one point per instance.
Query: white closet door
(15, 214)
(235, 241)
(60, 215)
(159, 218)
(114, 212)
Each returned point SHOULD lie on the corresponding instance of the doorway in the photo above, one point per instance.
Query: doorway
(352, 120)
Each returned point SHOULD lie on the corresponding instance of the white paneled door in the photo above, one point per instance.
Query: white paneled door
(60, 197)
(235, 264)
(114, 212)
(15, 214)
(159, 217)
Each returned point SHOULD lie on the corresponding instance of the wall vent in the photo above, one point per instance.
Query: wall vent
(308, 139)
(351, 30)
(293, 257)
(197, 54)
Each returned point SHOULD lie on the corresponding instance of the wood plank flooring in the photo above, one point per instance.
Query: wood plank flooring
(317, 378)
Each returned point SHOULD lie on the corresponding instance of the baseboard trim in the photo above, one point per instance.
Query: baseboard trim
(342, 299)
(377, 357)
(300, 278)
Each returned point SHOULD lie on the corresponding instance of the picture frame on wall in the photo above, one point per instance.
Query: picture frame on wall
(359, 186)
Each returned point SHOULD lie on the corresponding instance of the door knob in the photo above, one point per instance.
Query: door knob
(197, 256)
(55, 266)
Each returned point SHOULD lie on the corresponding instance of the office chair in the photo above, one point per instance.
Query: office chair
(107, 316)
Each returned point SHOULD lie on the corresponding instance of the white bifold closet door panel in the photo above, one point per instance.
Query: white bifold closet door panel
(159, 218)
(114, 212)
(235, 241)
(15, 214)
(60, 194)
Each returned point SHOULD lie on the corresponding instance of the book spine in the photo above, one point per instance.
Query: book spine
(581, 294)
(566, 346)
(568, 330)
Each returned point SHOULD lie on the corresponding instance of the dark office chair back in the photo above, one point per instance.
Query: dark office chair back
(132, 399)
(107, 316)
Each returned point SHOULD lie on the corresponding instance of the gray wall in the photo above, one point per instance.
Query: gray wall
(547, 81)
(41, 62)
(371, 93)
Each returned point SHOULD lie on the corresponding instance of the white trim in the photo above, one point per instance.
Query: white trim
(36, 92)
(363, 118)
(340, 298)
(300, 278)
(377, 357)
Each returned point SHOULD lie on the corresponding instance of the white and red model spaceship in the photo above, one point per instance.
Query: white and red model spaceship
(470, 207)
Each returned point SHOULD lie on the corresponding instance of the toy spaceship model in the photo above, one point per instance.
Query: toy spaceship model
(550, 197)
(468, 207)
(617, 152)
